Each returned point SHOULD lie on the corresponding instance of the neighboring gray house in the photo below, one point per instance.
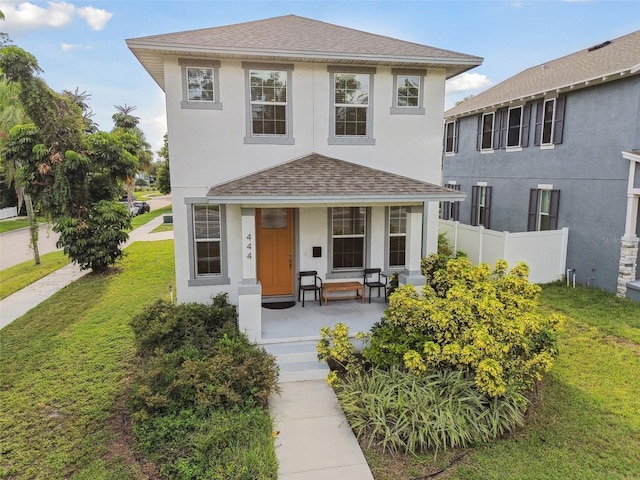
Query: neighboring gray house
(558, 145)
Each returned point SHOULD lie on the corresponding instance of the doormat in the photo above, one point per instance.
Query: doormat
(278, 305)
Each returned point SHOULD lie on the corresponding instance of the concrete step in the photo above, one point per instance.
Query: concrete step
(298, 361)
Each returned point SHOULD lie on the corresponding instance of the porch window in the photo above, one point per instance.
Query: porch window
(200, 85)
(348, 237)
(207, 237)
(351, 106)
(397, 236)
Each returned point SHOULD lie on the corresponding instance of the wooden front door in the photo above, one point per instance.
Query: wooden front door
(274, 229)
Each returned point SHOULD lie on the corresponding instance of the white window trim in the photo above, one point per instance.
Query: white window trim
(543, 192)
(185, 103)
(513, 148)
(388, 240)
(493, 126)
(550, 143)
(419, 109)
(452, 152)
(212, 279)
(350, 140)
(275, 139)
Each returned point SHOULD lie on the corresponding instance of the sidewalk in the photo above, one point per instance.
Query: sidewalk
(16, 305)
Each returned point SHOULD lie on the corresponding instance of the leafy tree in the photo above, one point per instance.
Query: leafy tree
(164, 177)
(74, 175)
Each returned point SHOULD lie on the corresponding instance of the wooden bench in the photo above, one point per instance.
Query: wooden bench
(357, 287)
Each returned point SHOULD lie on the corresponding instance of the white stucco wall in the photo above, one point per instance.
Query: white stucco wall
(207, 148)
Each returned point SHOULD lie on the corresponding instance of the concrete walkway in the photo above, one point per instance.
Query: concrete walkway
(315, 441)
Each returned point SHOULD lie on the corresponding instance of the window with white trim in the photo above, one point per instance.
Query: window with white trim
(397, 236)
(544, 204)
(451, 137)
(200, 86)
(487, 132)
(348, 232)
(351, 106)
(549, 121)
(269, 109)
(450, 210)
(481, 205)
(207, 240)
(407, 92)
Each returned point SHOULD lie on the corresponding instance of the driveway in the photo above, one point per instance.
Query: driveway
(14, 245)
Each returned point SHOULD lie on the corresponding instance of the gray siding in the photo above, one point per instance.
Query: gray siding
(587, 168)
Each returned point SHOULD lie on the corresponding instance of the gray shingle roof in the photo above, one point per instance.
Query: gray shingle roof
(590, 66)
(316, 178)
(295, 38)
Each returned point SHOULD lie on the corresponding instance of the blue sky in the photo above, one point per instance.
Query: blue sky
(81, 44)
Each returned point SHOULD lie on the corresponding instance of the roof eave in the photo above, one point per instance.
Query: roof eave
(599, 80)
(454, 196)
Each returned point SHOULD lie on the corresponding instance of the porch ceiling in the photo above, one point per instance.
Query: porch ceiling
(318, 179)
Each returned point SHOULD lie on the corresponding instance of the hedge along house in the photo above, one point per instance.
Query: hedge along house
(299, 145)
(558, 145)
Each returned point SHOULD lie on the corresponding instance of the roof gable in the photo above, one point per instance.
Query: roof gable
(604, 62)
(295, 38)
(316, 178)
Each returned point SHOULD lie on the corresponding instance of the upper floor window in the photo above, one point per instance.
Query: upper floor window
(407, 93)
(514, 127)
(544, 204)
(351, 106)
(487, 132)
(451, 137)
(200, 87)
(549, 121)
(348, 231)
(481, 205)
(268, 103)
(397, 236)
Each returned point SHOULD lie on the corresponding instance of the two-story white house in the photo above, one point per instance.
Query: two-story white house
(299, 145)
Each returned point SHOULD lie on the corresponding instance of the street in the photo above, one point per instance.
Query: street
(14, 245)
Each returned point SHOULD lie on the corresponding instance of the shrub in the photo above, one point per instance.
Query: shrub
(474, 319)
(193, 357)
(401, 412)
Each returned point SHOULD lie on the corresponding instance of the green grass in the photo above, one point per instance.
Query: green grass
(64, 368)
(19, 276)
(139, 220)
(16, 223)
(585, 422)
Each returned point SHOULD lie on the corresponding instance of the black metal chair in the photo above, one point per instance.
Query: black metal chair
(305, 285)
(374, 278)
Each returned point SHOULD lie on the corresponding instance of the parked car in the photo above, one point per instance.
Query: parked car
(133, 210)
(142, 206)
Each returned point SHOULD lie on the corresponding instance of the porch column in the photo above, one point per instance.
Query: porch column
(628, 248)
(413, 248)
(249, 289)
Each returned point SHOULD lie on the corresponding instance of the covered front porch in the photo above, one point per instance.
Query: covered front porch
(300, 323)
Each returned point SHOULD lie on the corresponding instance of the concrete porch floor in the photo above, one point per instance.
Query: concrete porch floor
(305, 322)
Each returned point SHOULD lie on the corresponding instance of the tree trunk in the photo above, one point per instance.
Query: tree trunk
(33, 228)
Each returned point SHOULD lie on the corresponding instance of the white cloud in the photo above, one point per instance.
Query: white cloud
(74, 46)
(467, 81)
(25, 16)
(95, 17)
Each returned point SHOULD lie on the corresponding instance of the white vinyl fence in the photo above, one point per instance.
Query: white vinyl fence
(544, 252)
(8, 212)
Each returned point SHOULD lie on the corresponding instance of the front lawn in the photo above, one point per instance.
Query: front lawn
(585, 423)
(64, 369)
(19, 276)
